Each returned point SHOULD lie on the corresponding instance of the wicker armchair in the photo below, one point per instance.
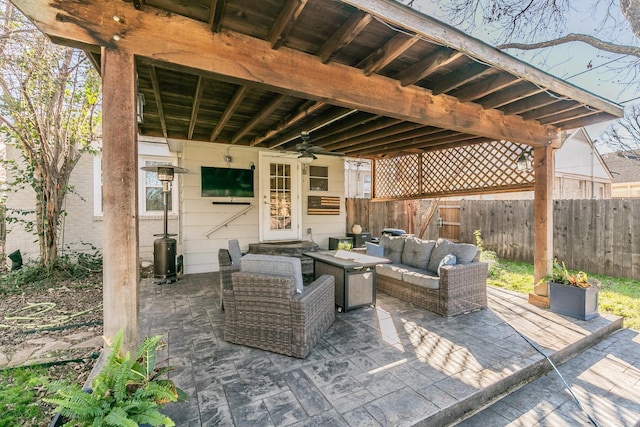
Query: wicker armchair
(226, 268)
(266, 312)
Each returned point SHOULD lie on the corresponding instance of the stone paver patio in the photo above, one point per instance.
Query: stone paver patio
(394, 364)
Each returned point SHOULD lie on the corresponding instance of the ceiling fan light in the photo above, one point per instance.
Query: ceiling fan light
(306, 158)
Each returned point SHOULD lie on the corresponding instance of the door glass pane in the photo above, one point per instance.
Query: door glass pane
(280, 196)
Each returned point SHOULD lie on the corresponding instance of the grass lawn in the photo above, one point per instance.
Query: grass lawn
(617, 296)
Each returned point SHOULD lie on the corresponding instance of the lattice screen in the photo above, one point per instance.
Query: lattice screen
(472, 169)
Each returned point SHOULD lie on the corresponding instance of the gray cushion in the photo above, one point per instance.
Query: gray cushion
(393, 246)
(374, 249)
(393, 271)
(464, 252)
(234, 252)
(416, 252)
(442, 249)
(274, 266)
(449, 259)
(423, 279)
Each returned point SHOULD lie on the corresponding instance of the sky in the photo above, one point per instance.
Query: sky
(570, 61)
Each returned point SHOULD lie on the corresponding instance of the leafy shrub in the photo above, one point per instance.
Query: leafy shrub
(489, 257)
(129, 390)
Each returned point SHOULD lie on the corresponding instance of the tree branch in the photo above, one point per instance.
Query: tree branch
(584, 38)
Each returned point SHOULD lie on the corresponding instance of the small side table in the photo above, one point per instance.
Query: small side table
(359, 239)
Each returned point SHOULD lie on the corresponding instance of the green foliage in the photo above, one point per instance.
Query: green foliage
(49, 112)
(128, 390)
(76, 266)
(560, 274)
(489, 257)
(18, 396)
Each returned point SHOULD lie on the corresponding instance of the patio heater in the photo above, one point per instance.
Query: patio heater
(164, 248)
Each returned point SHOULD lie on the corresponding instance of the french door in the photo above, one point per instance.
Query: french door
(280, 209)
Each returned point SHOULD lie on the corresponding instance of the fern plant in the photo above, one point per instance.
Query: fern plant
(127, 392)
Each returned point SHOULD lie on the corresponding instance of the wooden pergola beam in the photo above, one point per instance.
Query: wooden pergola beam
(232, 57)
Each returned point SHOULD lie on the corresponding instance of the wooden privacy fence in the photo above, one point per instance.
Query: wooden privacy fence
(418, 216)
(597, 236)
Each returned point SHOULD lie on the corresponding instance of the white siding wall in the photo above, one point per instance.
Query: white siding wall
(200, 216)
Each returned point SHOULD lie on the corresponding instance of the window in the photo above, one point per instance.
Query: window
(150, 187)
(367, 186)
(318, 178)
(153, 190)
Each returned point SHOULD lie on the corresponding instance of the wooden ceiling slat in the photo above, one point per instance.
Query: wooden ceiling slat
(266, 111)
(382, 57)
(349, 137)
(407, 135)
(228, 112)
(318, 122)
(486, 86)
(196, 106)
(530, 103)
(509, 95)
(359, 120)
(459, 77)
(454, 137)
(595, 117)
(427, 66)
(305, 111)
(349, 31)
(158, 99)
(558, 107)
(391, 133)
(569, 115)
(216, 12)
(285, 22)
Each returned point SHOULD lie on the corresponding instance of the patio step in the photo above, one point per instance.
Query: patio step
(603, 371)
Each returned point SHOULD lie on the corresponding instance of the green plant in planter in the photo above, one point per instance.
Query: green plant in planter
(579, 279)
(128, 391)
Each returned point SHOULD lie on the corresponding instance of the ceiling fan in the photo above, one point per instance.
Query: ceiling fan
(307, 150)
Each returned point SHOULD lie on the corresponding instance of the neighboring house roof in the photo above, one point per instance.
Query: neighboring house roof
(578, 156)
(624, 165)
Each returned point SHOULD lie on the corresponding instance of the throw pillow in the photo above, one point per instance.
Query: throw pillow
(393, 246)
(464, 252)
(442, 249)
(416, 252)
(449, 259)
(274, 265)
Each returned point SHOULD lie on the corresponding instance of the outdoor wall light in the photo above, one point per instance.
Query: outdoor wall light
(140, 108)
(525, 161)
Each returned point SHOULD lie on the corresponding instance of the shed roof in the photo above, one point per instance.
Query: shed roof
(368, 78)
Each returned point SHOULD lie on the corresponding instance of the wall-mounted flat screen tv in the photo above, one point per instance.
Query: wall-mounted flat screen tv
(226, 182)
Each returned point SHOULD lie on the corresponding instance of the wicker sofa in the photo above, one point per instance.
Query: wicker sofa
(267, 306)
(441, 276)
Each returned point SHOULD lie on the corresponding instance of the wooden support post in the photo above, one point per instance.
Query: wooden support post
(121, 275)
(543, 224)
